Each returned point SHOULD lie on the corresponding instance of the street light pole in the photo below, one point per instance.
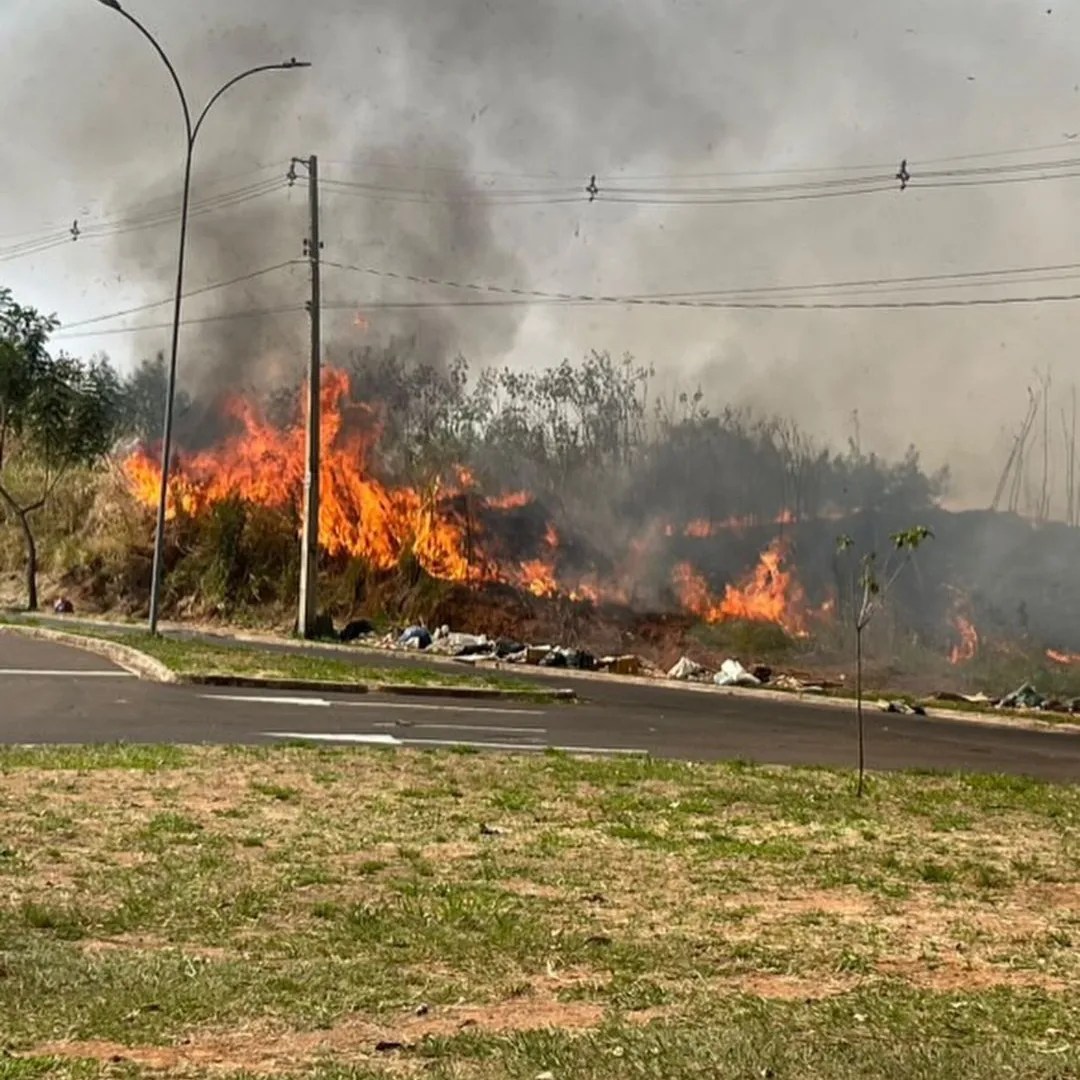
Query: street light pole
(192, 133)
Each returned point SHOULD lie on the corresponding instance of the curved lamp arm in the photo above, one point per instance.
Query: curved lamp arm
(115, 5)
(193, 129)
(287, 66)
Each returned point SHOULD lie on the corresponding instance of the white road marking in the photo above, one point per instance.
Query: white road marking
(603, 751)
(390, 740)
(313, 702)
(345, 737)
(385, 706)
(42, 672)
(466, 727)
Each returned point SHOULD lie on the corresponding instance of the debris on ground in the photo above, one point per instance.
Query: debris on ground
(963, 699)
(63, 606)
(794, 684)
(902, 707)
(358, 628)
(622, 665)
(686, 669)
(1023, 697)
(415, 637)
(577, 659)
(478, 649)
(732, 673)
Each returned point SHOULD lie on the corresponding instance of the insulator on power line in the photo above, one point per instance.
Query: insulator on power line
(903, 175)
(592, 190)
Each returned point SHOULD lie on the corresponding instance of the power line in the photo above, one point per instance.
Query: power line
(716, 195)
(187, 295)
(593, 301)
(720, 305)
(936, 280)
(519, 296)
(149, 206)
(225, 317)
(617, 176)
(121, 226)
(712, 298)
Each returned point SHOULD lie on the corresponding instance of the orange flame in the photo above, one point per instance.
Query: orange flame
(1062, 657)
(770, 593)
(968, 644)
(358, 515)
(702, 528)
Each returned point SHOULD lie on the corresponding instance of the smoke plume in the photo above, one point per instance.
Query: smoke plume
(458, 98)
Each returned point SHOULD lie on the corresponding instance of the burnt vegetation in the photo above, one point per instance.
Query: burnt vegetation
(631, 476)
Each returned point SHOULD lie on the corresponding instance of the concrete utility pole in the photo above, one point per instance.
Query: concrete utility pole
(309, 543)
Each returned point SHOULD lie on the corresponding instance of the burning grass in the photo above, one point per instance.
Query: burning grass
(321, 913)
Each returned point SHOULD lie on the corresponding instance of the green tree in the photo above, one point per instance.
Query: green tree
(872, 589)
(143, 400)
(56, 413)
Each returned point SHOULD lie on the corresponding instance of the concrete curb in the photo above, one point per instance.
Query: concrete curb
(124, 656)
(472, 693)
(780, 697)
(480, 693)
(147, 667)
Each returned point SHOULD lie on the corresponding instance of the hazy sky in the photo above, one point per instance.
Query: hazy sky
(545, 94)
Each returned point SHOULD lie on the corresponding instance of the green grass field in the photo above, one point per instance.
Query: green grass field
(303, 912)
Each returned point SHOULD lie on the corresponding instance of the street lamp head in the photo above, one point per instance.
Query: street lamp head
(114, 4)
(288, 65)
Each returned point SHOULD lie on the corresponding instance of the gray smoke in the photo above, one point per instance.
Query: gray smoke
(449, 91)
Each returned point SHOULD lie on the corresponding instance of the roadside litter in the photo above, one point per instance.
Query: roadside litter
(1027, 697)
(966, 699)
(358, 628)
(686, 669)
(415, 637)
(901, 707)
(732, 673)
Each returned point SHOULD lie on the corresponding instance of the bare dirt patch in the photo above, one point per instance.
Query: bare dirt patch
(267, 1051)
(324, 885)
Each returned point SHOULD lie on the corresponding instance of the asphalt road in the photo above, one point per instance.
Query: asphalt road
(55, 694)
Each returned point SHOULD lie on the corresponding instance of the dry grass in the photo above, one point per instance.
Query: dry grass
(223, 911)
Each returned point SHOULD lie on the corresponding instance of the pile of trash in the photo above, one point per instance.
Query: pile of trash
(480, 648)
(732, 673)
(1024, 698)
(476, 648)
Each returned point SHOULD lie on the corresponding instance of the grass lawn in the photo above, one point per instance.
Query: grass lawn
(199, 657)
(189, 657)
(305, 912)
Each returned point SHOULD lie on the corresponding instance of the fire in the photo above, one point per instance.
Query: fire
(702, 528)
(447, 528)
(512, 500)
(1062, 657)
(770, 593)
(699, 529)
(538, 576)
(968, 644)
(358, 516)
